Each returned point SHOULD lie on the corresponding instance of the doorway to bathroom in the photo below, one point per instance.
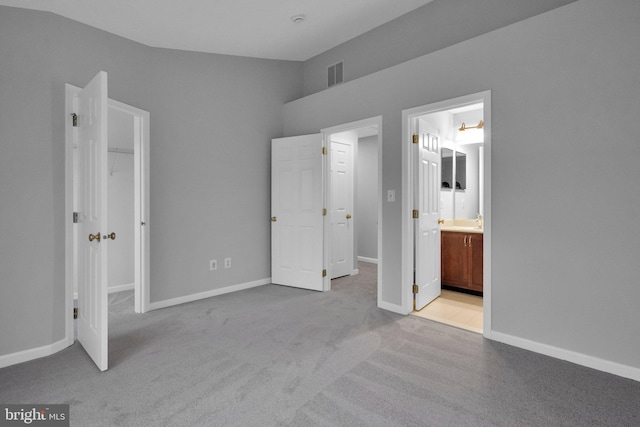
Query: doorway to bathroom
(446, 173)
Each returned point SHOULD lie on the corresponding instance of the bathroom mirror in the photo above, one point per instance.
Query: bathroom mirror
(461, 171)
(462, 189)
(447, 168)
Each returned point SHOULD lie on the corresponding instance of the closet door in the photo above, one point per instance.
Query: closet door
(93, 236)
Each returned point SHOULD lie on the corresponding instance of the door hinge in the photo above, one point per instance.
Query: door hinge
(324, 211)
(75, 313)
(324, 150)
(324, 273)
(415, 214)
(416, 139)
(75, 217)
(416, 289)
(74, 120)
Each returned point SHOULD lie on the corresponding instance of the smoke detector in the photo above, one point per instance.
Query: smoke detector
(298, 19)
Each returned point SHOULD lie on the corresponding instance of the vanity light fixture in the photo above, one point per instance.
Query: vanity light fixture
(465, 127)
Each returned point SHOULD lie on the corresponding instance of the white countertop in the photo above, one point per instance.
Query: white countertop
(462, 225)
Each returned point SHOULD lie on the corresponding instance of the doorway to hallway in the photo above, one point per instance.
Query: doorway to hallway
(355, 231)
(354, 199)
(314, 223)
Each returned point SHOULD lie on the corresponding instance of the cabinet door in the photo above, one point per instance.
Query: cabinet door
(476, 253)
(454, 263)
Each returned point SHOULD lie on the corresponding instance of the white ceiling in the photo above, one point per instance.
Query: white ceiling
(255, 28)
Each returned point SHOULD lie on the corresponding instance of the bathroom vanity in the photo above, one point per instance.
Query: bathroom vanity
(462, 255)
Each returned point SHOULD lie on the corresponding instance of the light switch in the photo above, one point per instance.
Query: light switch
(391, 195)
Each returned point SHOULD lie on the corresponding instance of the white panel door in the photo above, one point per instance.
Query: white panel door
(341, 207)
(296, 209)
(92, 205)
(427, 228)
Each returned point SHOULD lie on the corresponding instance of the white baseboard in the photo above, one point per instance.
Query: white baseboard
(568, 355)
(207, 294)
(365, 259)
(120, 288)
(33, 353)
(112, 289)
(355, 272)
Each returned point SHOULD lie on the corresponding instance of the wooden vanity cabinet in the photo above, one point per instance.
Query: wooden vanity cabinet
(461, 260)
(476, 275)
(454, 259)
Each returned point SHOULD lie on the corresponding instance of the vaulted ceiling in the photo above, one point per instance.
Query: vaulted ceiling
(255, 28)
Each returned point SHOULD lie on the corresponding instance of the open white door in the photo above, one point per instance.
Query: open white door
(341, 209)
(93, 236)
(426, 226)
(296, 209)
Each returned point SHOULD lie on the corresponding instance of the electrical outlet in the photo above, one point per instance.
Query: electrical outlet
(213, 265)
(227, 263)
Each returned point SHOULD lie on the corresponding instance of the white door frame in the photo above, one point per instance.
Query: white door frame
(408, 191)
(141, 214)
(141, 202)
(326, 137)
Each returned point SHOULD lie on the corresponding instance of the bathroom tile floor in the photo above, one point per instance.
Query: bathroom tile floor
(456, 309)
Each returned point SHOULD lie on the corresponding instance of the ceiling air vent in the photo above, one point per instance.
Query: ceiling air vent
(336, 74)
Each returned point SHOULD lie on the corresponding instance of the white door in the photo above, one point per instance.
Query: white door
(426, 226)
(92, 205)
(341, 207)
(296, 209)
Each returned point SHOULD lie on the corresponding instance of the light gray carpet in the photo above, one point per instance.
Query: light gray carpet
(281, 356)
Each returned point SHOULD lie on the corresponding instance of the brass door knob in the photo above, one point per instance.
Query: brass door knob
(274, 219)
(111, 236)
(441, 221)
(348, 216)
(93, 237)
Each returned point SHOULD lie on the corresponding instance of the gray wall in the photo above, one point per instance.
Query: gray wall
(565, 91)
(212, 119)
(212, 122)
(367, 198)
(436, 25)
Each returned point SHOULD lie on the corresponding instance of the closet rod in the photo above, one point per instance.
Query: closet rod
(120, 150)
(113, 149)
